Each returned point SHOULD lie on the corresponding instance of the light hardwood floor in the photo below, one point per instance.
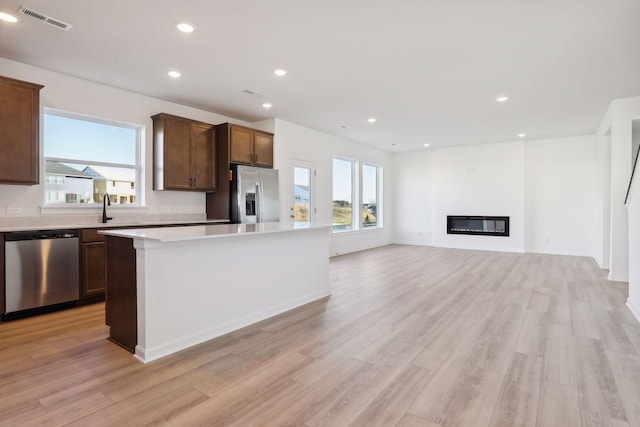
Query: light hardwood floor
(412, 336)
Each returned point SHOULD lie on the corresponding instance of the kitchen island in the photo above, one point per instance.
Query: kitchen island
(172, 288)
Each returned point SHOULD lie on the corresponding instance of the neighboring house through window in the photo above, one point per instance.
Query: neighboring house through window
(83, 154)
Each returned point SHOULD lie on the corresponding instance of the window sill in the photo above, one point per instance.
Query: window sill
(359, 230)
(80, 208)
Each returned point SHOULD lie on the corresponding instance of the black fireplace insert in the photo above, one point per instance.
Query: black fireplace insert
(478, 225)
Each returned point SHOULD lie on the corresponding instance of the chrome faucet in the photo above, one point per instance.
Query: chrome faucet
(105, 201)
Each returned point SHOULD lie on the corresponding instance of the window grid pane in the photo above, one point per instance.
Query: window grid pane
(76, 150)
(369, 196)
(342, 194)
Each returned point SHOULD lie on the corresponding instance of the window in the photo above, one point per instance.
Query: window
(84, 155)
(347, 189)
(55, 179)
(370, 195)
(343, 193)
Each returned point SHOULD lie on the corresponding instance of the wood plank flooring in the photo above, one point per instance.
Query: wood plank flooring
(411, 336)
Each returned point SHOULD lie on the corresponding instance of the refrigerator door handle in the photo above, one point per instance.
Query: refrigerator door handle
(259, 197)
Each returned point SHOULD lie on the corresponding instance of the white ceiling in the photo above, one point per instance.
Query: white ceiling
(428, 70)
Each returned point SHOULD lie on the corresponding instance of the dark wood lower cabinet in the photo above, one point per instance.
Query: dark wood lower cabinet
(92, 266)
(1, 275)
(121, 301)
(92, 282)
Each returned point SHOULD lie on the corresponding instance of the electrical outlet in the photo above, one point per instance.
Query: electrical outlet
(14, 211)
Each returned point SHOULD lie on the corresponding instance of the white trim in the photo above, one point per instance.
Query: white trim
(634, 310)
(138, 167)
(379, 206)
(311, 166)
(355, 195)
(615, 278)
(146, 355)
(88, 208)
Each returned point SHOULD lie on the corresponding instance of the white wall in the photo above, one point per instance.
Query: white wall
(486, 180)
(80, 96)
(633, 210)
(300, 143)
(603, 213)
(414, 198)
(618, 124)
(633, 206)
(548, 188)
(483, 179)
(562, 195)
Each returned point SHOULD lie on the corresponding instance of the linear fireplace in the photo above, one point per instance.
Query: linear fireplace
(478, 225)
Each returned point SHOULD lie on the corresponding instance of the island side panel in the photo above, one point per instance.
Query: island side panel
(214, 286)
(121, 298)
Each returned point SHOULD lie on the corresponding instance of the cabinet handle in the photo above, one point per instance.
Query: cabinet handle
(195, 182)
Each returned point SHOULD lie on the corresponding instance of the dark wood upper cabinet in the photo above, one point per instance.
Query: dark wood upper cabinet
(263, 149)
(183, 154)
(240, 144)
(247, 146)
(19, 131)
(236, 144)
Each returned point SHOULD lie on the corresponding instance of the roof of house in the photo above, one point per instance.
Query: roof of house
(111, 173)
(57, 168)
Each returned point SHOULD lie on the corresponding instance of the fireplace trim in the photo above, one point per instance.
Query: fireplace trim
(451, 218)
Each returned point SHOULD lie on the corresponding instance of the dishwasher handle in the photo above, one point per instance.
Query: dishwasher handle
(40, 235)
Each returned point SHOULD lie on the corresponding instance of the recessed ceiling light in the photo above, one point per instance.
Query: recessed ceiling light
(185, 27)
(267, 105)
(426, 145)
(280, 72)
(6, 17)
(521, 135)
(502, 98)
(371, 119)
(174, 74)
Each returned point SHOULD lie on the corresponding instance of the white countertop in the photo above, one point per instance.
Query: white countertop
(137, 223)
(178, 234)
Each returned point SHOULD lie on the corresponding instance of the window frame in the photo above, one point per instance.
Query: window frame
(354, 195)
(138, 167)
(379, 206)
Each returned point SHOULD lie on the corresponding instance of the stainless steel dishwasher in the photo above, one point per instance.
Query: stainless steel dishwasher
(41, 269)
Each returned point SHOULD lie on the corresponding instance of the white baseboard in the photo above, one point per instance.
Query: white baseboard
(146, 355)
(616, 278)
(412, 243)
(358, 249)
(634, 310)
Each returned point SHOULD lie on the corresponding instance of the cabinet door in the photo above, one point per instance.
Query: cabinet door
(93, 269)
(263, 149)
(177, 154)
(203, 157)
(241, 145)
(19, 116)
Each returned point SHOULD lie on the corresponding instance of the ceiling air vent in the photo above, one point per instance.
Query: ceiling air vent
(44, 18)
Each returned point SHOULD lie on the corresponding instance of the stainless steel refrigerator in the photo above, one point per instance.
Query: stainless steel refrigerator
(254, 195)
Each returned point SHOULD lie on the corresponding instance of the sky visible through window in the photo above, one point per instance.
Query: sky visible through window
(342, 180)
(301, 176)
(84, 140)
(369, 184)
